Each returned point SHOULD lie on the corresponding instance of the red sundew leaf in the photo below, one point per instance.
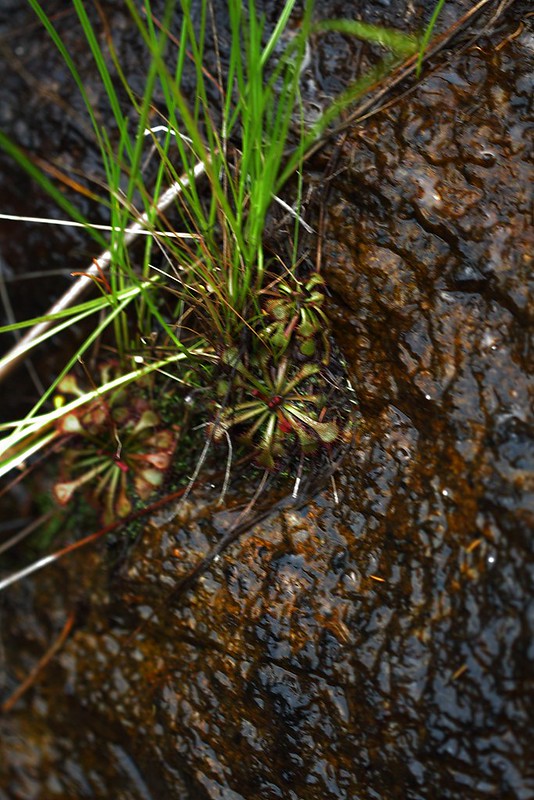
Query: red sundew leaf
(290, 329)
(159, 460)
(284, 425)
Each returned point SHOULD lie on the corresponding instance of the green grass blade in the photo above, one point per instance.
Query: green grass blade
(278, 31)
(98, 56)
(427, 36)
(38, 175)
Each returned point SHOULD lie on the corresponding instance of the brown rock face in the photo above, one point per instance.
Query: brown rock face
(376, 648)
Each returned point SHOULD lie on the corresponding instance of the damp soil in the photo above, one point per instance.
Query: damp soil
(375, 640)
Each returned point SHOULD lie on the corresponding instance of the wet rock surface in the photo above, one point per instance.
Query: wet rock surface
(378, 647)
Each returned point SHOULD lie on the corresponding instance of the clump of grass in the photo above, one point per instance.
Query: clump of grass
(225, 150)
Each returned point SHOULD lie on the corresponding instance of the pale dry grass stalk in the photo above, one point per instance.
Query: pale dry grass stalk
(99, 265)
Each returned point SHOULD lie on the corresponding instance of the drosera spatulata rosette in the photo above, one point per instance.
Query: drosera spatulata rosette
(296, 310)
(118, 448)
(278, 404)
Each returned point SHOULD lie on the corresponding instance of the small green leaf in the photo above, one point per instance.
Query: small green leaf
(307, 347)
(148, 419)
(63, 491)
(146, 481)
(327, 431)
(122, 505)
(306, 440)
(265, 459)
(278, 309)
(308, 328)
(314, 280)
(230, 357)
(69, 385)
(70, 424)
